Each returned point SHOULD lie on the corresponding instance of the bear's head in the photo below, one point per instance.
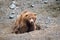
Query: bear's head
(29, 17)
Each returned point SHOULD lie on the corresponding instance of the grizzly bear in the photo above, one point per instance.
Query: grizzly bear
(25, 22)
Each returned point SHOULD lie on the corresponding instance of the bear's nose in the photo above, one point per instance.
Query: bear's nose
(31, 21)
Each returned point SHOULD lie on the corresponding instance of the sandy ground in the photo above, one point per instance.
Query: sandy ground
(47, 17)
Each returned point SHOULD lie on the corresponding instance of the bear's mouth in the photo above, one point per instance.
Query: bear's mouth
(29, 23)
(32, 22)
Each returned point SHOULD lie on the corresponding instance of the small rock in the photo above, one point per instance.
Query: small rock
(11, 16)
(45, 2)
(13, 5)
(12, 13)
(32, 6)
(13, 2)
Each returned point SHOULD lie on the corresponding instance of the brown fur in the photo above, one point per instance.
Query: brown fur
(23, 24)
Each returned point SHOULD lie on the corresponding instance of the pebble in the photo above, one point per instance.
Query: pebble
(45, 1)
(11, 16)
(13, 5)
(32, 6)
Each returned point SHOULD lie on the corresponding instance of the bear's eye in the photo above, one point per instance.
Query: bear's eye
(26, 15)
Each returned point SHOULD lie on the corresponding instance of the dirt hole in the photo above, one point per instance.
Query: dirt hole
(18, 31)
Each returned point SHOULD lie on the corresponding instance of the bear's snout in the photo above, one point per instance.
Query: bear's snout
(31, 21)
